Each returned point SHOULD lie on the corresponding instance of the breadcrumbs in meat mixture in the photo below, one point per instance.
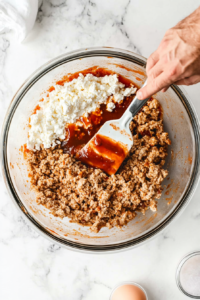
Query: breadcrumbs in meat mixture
(89, 196)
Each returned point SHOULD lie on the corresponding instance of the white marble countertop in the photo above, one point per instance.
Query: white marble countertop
(32, 267)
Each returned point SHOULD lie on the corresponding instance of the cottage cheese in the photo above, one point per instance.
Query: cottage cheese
(67, 103)
(110, 106)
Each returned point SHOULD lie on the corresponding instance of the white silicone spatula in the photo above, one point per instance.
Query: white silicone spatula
(111, 144)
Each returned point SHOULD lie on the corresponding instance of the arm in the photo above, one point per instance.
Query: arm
(177, 59)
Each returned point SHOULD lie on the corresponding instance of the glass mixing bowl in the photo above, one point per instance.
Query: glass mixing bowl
(180, 120)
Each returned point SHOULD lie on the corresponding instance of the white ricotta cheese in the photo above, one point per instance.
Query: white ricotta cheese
(110, 106)
(67, 103)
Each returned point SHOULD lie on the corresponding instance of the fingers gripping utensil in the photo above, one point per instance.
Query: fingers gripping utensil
(111, 144)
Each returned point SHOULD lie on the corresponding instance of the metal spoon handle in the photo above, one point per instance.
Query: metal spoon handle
(137, 104)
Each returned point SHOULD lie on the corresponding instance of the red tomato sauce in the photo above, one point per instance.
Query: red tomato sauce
(80, 133)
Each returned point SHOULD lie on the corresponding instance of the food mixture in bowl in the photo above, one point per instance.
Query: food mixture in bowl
(64, 121)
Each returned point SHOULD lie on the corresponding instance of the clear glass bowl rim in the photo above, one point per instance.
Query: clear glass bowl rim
(73, 55)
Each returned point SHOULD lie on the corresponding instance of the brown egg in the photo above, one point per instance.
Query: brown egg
(128, 292)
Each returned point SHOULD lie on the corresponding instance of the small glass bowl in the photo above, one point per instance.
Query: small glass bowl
(178, 273)
(128, 283)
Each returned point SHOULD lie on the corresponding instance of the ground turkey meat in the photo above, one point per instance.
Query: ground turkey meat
(89, 196)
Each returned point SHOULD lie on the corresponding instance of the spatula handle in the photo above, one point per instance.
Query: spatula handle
(137, 104)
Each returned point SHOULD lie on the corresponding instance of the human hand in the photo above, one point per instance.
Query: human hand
(177, 59)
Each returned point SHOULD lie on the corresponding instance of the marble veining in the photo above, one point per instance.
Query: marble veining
(31, 267)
